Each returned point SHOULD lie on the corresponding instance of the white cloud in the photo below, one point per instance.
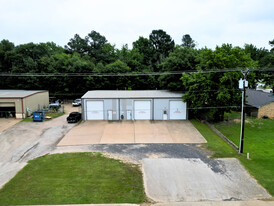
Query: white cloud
(209, 22)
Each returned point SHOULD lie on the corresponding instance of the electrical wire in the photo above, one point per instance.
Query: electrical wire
(5, 74)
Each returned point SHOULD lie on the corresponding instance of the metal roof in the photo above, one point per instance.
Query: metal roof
(257, 98)
(18, 93)
(125, 94)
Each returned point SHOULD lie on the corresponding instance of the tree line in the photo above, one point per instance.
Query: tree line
(157, 53)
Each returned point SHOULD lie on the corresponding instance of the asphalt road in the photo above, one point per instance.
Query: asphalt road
(137, 152)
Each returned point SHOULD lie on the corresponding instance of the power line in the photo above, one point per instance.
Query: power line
(5, 74)
(189, 108)
(194, 91)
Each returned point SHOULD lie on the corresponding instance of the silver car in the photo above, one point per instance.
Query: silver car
(76, 102)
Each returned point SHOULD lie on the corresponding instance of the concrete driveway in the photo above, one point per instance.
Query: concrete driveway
(5, 123)
(193, 179)
(130, 132)
(28, 140)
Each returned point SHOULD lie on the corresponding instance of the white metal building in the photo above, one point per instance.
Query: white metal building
(133, 105)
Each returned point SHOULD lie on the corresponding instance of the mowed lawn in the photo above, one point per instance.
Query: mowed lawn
(75, 178)
(52, 115)
(258, 142)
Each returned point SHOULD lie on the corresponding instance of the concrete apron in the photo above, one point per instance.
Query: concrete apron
(193, 179)
(131, 132)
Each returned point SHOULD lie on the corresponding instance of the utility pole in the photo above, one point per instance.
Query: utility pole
(244, 83)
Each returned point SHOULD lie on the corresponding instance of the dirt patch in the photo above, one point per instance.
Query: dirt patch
(239, 120)
(69, 108)
(236, 120)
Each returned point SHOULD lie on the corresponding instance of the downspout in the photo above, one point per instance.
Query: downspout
(22, 108)
(187, 111)
(152, 109)
(118, 109)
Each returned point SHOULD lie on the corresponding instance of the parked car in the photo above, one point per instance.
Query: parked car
(54, 99)
(77, 102)
(74, 117)
(55, 105)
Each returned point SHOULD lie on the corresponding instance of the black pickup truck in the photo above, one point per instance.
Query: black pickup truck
(74, 117)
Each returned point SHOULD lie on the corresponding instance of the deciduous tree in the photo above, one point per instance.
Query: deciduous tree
(181, 59)
(210, 94)
(188, 42)
(162, 45)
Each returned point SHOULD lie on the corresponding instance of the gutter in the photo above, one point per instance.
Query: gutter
(20, 97)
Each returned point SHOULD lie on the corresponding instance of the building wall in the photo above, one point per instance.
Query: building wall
(266, 110)
(33, 102)
(111, 105)
(36, 101)
(158, 106)
(128, 105)
(161, 105)
(252, 111)
(125, 106)
(18, 106)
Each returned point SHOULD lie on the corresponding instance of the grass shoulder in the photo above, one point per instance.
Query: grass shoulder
(215, 144)
(258, 143)
(75, 178)
(49, 115)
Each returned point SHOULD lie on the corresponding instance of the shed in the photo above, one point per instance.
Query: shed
(133, 105)
(259, 103)
(21, 103)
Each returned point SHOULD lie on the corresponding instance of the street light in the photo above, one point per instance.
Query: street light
(242, 85)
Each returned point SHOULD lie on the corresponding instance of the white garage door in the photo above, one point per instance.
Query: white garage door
(177, 110)
(142, 109)
(95, 110)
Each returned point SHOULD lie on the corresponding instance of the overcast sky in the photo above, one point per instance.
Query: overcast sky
(209, 22)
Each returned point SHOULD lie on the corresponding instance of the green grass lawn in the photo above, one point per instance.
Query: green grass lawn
(232, 115)
(259, 142)
(50, 114)
(214, 143)
(74, 178)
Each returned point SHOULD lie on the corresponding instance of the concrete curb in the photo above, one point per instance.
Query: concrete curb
(219, 203)
(206, 203)
(222, 136)
(110, 204)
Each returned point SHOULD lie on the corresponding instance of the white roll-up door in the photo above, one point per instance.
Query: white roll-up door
(95, 110)
(177, 110)
(142, 109)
